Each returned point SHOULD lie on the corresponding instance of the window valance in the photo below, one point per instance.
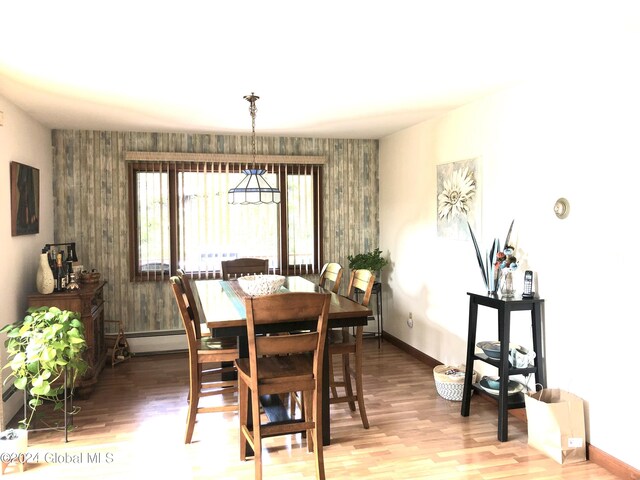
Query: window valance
(223, 158)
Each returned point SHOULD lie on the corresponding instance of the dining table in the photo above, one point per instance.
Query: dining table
(223, 306)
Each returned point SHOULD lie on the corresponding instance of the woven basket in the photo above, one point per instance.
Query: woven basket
(90, 277)
(450, 387)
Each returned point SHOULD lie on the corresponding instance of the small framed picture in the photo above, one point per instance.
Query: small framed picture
(25, 199)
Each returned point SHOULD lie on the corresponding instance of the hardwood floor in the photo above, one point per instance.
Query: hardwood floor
(133, 424)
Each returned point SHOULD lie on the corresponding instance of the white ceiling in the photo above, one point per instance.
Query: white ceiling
(347, 69)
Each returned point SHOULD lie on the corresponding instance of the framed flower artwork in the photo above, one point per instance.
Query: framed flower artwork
(458, 198)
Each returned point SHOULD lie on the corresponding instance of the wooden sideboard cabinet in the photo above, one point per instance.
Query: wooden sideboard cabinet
(88, 301)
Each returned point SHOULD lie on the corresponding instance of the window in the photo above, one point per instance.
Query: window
(180, 218)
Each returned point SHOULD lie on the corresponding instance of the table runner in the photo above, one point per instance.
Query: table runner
(236, 295)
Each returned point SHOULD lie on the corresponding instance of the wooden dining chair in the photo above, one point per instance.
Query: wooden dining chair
(330, 276)
(194, 301)
(244, 266)
(203, 350)
(343, 343)
(280, 364)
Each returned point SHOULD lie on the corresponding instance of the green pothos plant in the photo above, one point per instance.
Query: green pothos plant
(40, 347)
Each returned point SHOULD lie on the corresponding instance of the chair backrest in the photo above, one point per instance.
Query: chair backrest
(363, 281)
(331, 275)
(193, 300)
(244, 266)
(278, 309)
(191, 328)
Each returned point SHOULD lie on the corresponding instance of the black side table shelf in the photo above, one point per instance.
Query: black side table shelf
(504, 306)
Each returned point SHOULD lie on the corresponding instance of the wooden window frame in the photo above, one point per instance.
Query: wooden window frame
(173, 168)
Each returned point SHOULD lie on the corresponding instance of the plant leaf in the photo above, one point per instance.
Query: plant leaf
(20, 383)
(479, 256)
(506, 242)
(491, 270)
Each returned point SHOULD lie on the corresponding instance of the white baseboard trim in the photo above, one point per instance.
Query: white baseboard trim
(157, 343)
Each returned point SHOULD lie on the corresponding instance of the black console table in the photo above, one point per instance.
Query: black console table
(504, 306)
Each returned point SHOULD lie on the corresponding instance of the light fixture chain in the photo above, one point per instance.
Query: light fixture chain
(252, 110)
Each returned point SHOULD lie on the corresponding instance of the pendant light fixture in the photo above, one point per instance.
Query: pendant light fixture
(254, 188)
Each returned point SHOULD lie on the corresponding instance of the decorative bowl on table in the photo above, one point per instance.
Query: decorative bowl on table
(492, 382)
(491, 349)
(258, 285)
(513, 387)
(519, 356)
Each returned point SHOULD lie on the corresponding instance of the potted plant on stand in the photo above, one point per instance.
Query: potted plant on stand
(372, 261)
(45, 357)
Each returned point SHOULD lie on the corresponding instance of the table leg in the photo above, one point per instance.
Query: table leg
(504, 324)
(471, 342)
(380, 319)
(536, 328)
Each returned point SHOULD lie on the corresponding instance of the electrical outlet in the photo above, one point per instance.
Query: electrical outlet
(410, 320)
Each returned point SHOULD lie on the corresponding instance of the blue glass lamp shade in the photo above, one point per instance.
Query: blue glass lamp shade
(253, 189)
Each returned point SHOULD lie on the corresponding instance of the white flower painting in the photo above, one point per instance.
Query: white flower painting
(457, 198)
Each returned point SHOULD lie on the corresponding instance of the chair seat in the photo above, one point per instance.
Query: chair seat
(279, 369)
(225, 349)
(219, 343)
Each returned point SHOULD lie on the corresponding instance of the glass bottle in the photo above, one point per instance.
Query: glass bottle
(59, 273)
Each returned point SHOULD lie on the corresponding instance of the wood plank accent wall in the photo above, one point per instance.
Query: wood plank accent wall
(91, 205)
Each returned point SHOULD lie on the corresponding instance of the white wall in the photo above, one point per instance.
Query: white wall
(576, 138)
(25, 141)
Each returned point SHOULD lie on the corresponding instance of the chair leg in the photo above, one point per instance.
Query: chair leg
(358, 375)
(257, 436)
(308, 415)
(243, 415)
(194, 395)
(317, 434)
(296, 399)
(292, 405)
(346, 375)
(332, 380)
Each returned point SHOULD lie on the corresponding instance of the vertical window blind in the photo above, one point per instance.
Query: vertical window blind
(181, 218)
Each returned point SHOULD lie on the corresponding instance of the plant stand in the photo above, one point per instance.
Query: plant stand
(68, 405)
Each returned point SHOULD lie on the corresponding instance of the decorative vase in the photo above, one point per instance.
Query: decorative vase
(506, 287)
(493, 282)
(44, 277)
